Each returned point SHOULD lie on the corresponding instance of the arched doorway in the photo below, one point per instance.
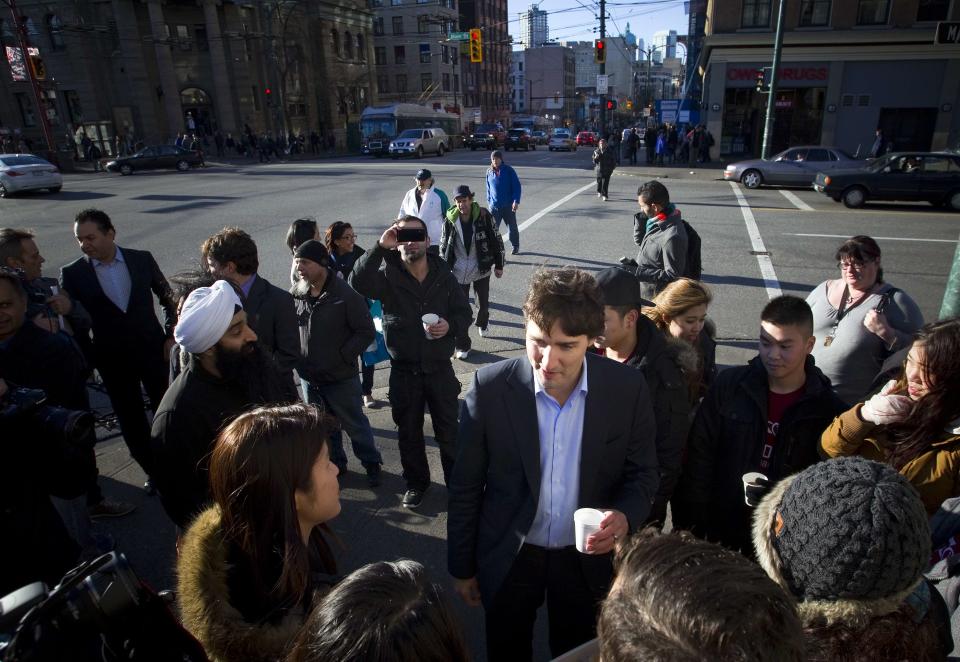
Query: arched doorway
(198, 112)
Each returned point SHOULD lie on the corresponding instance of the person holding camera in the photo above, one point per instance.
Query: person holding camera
(425, 310)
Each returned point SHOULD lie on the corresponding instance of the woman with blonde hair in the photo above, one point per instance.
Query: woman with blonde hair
(680, 311)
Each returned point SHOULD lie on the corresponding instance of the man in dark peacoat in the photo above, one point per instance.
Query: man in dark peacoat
(129, 346)
(499, 495)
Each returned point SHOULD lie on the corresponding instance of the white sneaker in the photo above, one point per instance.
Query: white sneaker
(461, 354)
(482, 332)
(604, 198)
(599, 196)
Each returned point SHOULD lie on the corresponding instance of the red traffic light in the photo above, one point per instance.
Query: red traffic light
(267, 91)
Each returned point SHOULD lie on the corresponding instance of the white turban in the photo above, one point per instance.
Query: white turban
(206, 316)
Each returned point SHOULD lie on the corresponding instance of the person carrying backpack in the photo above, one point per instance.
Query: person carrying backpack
(661, 233)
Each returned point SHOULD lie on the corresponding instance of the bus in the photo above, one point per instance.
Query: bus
(532, 122)
(381, 124)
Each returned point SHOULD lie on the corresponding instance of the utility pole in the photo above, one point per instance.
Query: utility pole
(603, 65)
(772, 98)
(21, 30)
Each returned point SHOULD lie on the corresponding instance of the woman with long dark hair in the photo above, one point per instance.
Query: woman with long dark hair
(913, 424)
(251, 565)
(341, 242)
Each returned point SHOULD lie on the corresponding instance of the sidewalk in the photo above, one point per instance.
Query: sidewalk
(86, 167)
(712, 171)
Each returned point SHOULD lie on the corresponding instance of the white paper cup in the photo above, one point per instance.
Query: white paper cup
(428, 320)
(753, 479)
(586, 522)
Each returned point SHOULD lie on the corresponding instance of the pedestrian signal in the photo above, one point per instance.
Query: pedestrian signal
(611, 104)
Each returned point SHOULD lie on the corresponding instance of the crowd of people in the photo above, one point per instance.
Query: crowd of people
(800, 486)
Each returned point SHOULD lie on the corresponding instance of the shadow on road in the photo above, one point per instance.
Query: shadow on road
(753, 282)
(63, 196)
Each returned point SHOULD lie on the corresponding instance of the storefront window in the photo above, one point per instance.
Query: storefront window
(798, 120)
(815, 13)
(873, 12)
(756, 14)
(933, 10)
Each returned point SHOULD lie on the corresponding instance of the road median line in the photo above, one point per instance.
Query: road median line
(770, 281)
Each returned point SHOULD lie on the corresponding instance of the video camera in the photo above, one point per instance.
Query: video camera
(100, 612)
(66, 424)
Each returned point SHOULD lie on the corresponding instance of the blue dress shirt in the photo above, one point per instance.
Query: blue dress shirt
(114, 279)
(561, 435)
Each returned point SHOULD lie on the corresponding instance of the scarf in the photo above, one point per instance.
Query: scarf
(662, 216)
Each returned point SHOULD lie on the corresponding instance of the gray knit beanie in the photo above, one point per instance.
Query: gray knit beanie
(844, 530)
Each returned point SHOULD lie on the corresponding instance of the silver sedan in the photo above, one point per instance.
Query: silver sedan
(26, 172)
(797, 166)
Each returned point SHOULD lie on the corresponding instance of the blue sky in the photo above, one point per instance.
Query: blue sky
(576, 19)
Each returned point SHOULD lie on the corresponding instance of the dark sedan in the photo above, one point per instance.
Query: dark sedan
(909, 176)
(519, 139)
(155, 158)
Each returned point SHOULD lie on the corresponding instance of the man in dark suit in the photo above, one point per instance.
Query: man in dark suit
(540, 438)
(129, 348)
(231, 255)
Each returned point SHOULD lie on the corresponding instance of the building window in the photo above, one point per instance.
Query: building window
(348, 45)
(397, 24)
(200, 36)
(361, 48)
(55, 31)
(815, 13)
(396, 3)
(335, 42)
(378, 26)
(446, 82)
(873, 12)
(399, 54)
(383, 84)
(26, 109)
(756, 14)
(401, 82)
(423, 26)
(425, 82)
(424, 53)
(933, 10)
(183, 37)
(74, 109)
(379, 55)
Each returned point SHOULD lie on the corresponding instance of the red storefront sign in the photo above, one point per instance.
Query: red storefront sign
(790, 76)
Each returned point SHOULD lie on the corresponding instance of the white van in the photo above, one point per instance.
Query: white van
(418, 142)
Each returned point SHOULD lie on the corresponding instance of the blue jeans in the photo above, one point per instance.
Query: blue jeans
(343, 400)
(505, 214)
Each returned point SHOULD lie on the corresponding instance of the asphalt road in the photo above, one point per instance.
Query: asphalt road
(563, 223)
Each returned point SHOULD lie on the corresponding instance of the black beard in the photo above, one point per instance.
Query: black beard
(251, 371)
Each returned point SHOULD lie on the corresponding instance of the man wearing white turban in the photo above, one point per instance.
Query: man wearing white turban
(206, 395)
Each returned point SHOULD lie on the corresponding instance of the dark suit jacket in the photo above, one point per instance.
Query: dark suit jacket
(495, 485)
(272, 314)
(118, 335)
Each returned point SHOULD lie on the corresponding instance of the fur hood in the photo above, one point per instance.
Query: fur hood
(683, 354)
(854, 613)
(204, 599)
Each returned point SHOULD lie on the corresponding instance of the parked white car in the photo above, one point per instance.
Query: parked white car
(418, 142)
(562, 139)
(26, 172)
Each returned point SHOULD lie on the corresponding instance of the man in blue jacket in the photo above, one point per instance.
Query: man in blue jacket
(503, 196)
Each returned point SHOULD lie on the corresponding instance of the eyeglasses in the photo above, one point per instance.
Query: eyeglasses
(853, 265)
(348, 236)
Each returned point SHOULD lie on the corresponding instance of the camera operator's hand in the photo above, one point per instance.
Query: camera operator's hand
(60, 304)
(388, 240)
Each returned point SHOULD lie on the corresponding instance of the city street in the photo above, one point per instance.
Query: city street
(756, 244)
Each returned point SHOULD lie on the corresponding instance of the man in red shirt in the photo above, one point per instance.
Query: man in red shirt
(766, 416)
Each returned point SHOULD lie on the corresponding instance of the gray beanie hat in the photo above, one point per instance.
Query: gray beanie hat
(848, 538)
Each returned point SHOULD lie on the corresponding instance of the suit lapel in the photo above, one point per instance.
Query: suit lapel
(521, 406)
(595, 421)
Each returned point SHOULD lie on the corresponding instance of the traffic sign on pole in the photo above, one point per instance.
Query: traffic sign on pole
(603, 83)
(459, 36)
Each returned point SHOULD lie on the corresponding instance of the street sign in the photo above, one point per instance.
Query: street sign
(459, 36)
(603, 83)
(948, 33)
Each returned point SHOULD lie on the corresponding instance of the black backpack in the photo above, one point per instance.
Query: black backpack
(694, 268)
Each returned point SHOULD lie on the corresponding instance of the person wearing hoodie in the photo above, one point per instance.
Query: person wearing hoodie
(471, 246)
(659, 232)
(764, 417)
(503, 196)
(632, 339)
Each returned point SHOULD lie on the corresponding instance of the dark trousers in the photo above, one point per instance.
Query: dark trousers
(123, 383)
(481, 288)
(603, 182)
(572, 607)
(366, 378)
(506, 215)
(410, 389)
(343, 400)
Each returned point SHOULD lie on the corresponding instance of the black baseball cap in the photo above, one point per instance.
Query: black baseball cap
(620, 287)
(463, 191)
(423, 173)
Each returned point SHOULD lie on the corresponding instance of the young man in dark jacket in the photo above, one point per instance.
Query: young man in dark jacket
(604, 162)
(410, 286)
(766, 416)
(335, 328)
(629, 337)
(659, 232)
(471, 246)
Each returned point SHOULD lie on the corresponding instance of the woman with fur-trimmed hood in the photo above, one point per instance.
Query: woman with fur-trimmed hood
(251, 566)
(849, 539)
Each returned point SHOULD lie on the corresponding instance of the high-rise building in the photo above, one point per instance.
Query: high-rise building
(486, 93)
(665, 42)
(550, 74)
(533, 27)
(519, 91)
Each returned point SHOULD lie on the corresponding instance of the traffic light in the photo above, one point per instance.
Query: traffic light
(268, 93)
(761, 78)
(476, 45)
(39, 68)
(599, 51)
(629, 104)
(611, 104)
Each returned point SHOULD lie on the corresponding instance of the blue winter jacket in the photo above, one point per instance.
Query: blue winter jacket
(504, 190)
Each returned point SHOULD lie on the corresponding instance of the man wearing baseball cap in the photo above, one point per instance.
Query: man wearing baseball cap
(471, 246)
(427, 203)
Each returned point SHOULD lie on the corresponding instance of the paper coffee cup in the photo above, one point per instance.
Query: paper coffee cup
(752, 479)
(429, 320)
(586, 522)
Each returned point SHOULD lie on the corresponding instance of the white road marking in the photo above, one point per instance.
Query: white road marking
(797, 202)
(546, 210)
(770, 280)
(843, 236)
